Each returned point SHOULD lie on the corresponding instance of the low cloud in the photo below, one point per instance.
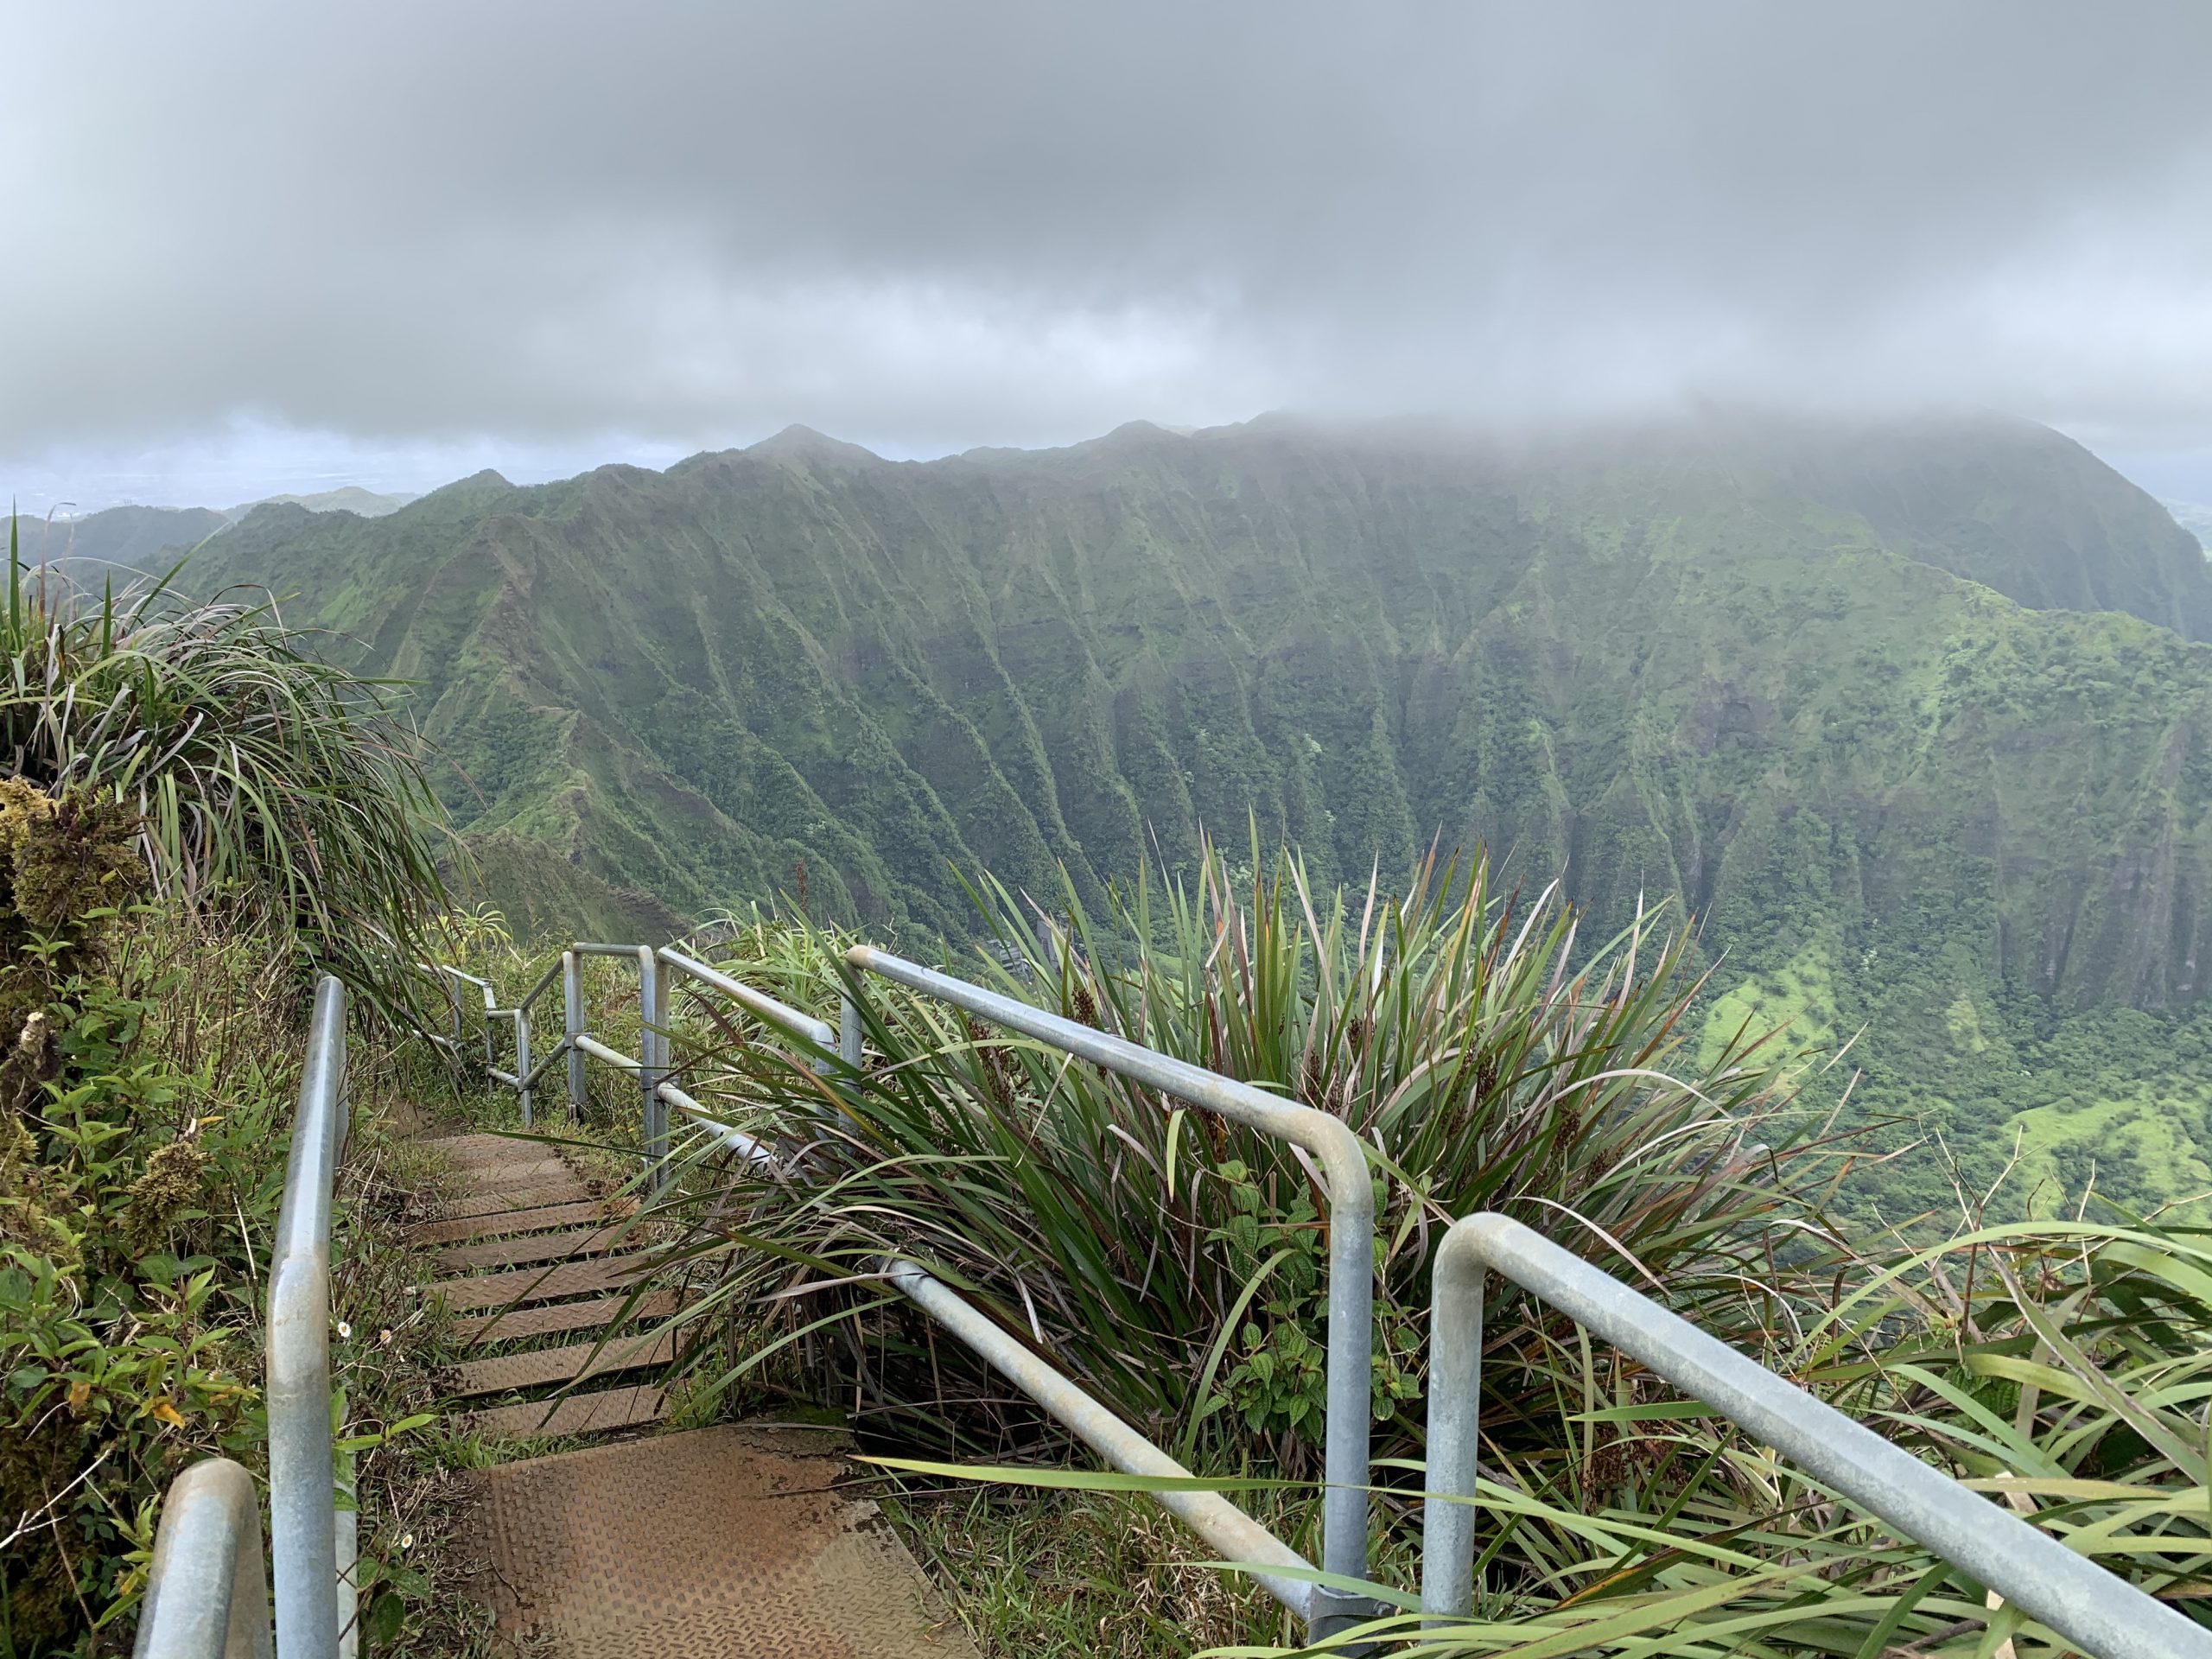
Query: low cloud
(415, 231)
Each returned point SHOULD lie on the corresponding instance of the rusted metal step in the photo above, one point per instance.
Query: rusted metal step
(498, 1178)
(534, 1247)
(474, 1151)
(508, 1199)
(576, 1413)
(524, 1285)
(511, 1373)
(740, 1543)
(523, 1324)
(459, 1229)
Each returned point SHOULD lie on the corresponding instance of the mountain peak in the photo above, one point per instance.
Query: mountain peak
(1140, 432)
(803, 443)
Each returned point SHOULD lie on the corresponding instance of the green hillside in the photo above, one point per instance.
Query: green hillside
(118, 542)
(1911, 715)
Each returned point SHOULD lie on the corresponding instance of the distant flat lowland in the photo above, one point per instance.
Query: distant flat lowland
(1915, 717)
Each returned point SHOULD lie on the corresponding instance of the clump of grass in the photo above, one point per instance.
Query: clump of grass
(1051, 1576)
(1175, 1264)
(267, 783)
(2060, 1368)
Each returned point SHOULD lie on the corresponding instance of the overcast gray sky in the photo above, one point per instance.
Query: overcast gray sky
(279, 247)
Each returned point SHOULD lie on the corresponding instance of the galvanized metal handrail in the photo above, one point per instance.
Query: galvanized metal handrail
(2098, 1610)
(205, 1593)
(206, 1590)
(1213, 1517)
(1351, 1241)
(732, 1138)
(650, 1066)
(313, 1551)
(1342, 1162)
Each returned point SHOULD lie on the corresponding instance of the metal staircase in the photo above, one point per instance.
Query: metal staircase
(537, 1255)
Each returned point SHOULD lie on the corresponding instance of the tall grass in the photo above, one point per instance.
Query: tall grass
(1175, 1264)
(2062, 1370)
(268, 781)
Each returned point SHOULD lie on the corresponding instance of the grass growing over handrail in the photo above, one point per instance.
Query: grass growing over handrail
(1172, 1265)
(1175, 1264)
(267, 781)
(2061, 1369)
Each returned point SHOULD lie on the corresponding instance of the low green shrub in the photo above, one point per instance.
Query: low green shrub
(141, 1166)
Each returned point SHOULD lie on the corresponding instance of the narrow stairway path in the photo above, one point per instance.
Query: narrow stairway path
(528, 1254)
(739, 1542)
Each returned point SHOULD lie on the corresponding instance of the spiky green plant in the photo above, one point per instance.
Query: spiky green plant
(266, 779)
(2062, 1369)
(1174, 1263)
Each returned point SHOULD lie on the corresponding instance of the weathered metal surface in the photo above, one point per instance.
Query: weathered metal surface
(475, 1151)
(308, 1546)
(538, 1171)
(505, 1199)
(206, 1593)
(533, 1247)
(509, 1373)
(575, 1413)
(499, 1224)
(524, 1324)
(721, 1543)
(759, 1004)
(526, 1285)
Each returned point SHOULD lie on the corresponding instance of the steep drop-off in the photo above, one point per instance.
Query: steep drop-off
(1906, 713)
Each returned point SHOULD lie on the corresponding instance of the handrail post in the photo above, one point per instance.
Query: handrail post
(523, 1091)
(1349, 1417)
(572, 1010)
(2095, 1610)
(652, 1061)
(848, 1030)
(1455, 1383)
(302, 1472)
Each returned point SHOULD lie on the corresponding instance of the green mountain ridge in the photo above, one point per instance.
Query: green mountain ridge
(1913, 715)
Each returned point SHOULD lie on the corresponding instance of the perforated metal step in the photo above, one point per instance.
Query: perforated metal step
(575, 1413)
(524, 1324)
(524, 1197)
(526, 1285)
(534, 1247)
(720, 1543)
(476, 1151)
(511, 1373)
(500, 1177)
(499, 1224)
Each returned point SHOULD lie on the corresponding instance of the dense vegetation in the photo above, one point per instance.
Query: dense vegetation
(259, 780)
(1450, 1030)
(196, 815)
(854, 681)
(1172, 1264)
(1910, 719)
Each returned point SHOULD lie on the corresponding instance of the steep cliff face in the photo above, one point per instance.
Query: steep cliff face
(1755, 667)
